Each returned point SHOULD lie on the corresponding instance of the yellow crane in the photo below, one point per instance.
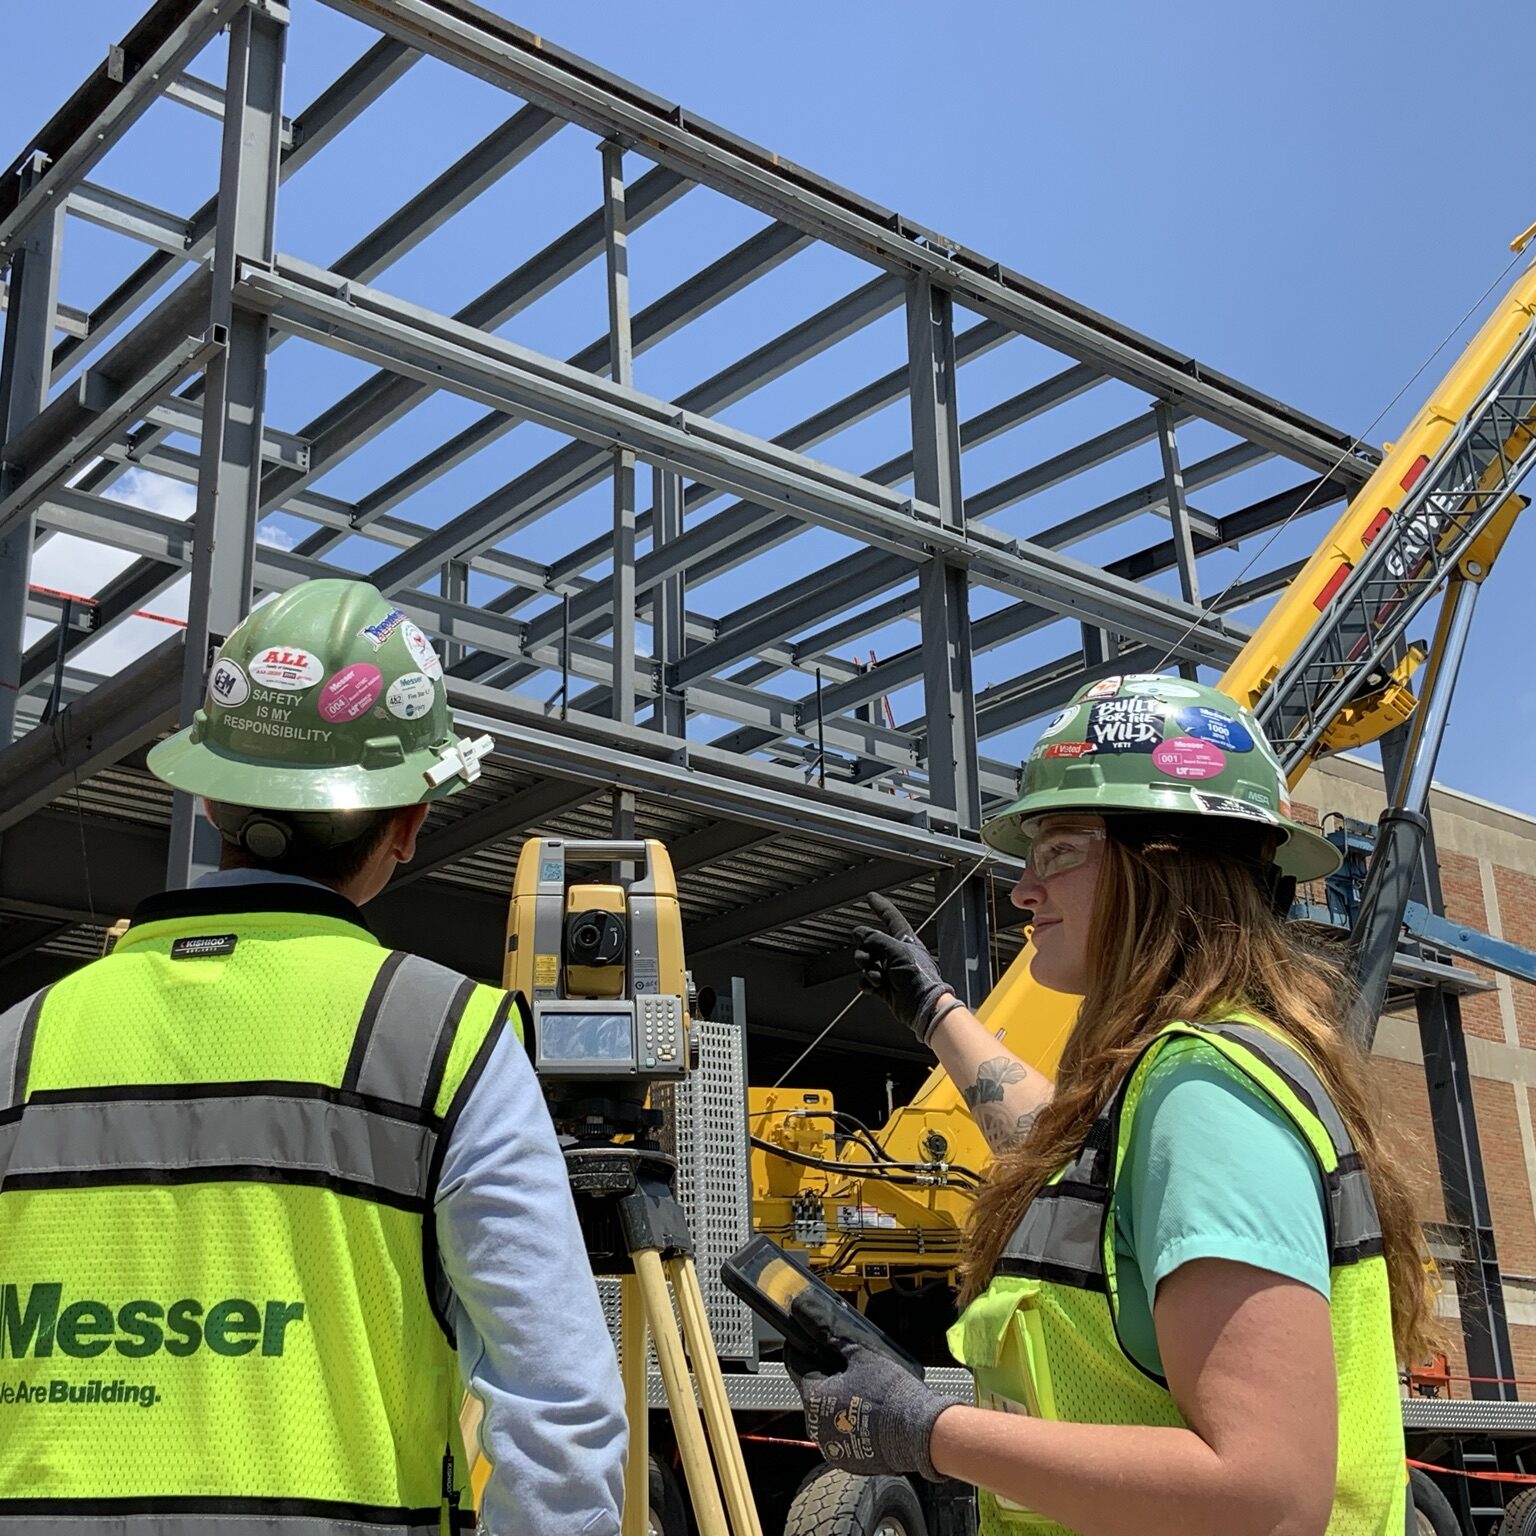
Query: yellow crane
(1326, 670)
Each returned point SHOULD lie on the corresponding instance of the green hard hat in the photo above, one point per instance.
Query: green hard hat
(1153, 743)
(327, 698)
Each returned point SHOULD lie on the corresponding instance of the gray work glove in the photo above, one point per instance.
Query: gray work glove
(895, 966)
(869, 1417)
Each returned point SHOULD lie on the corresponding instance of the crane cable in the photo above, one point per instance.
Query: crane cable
(1208, 608)
(848, 1006)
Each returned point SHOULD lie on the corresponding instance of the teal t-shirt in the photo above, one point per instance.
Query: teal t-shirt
(1214, 1170)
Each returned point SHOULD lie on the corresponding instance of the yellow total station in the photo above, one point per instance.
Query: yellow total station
(600, 963)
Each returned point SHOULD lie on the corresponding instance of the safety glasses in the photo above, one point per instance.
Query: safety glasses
(1059, 849)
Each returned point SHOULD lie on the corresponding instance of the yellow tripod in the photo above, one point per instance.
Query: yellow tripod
(637, 1231)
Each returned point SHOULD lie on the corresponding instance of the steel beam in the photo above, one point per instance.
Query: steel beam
(502, 818)
(423, 345)
(575, 468)
(34, 293)
(128, 216)
(125, 713)
(112, 98)
(379, 402)
(745, 530)
(796, 904)
(234, 393)
(337, 106)
(205, 97)
(573, 88)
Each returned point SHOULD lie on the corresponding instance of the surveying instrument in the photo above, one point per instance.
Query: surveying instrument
(607, 1006)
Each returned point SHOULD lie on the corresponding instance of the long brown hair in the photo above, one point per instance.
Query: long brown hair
(1182, 929)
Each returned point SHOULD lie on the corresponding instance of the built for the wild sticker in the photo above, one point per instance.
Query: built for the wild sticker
(1133, 724)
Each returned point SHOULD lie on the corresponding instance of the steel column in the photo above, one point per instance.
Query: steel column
(229, 476)
(1458, 1151)
(24, 365)
(669, 633)
(454, 585)
(1178, 516)
(946, 628)
(621, 358)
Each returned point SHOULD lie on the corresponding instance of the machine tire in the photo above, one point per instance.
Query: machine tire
(669, 1514)
(832, 1502)
(1431, 1507)
(1519, 1515)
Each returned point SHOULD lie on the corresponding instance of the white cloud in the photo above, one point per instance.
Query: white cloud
(274, 535)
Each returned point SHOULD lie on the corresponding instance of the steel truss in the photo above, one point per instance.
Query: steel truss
(760, 724)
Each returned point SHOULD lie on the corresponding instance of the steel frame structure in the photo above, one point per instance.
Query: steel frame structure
(808, 759)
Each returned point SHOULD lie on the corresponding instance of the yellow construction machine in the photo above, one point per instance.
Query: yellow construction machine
(1329, 669)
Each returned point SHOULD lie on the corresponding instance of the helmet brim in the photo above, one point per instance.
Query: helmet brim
(202, 768)
(1303, 854)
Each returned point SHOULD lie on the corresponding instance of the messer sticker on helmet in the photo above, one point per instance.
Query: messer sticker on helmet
(1131, 724)
(1184, 757)
(410, 696)
(287, 668)
(1229, 733)
(421, 650)
(228, 686)
(350, 692)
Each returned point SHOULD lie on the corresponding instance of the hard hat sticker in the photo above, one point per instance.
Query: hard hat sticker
(1225, 805)
(228, 686)
(421, 650)
(1105, 688)
(1159, 687)
(350, 692)
(1131, 724)
(1227, 732)
(1060, 721)
(1186, 758)
(377, 634)
(287, 668)
(1069, 749)
(410, 696)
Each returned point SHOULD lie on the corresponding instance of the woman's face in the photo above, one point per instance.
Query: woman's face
(1059, 883)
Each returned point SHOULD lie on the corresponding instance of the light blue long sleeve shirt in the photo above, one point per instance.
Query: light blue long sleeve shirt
(533, 1347)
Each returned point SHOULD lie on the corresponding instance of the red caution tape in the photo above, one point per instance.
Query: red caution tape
(1481, 1477)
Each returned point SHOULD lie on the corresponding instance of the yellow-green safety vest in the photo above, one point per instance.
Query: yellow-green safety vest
(1042, 1338)
(220, 1301)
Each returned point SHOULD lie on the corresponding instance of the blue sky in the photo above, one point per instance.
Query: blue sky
(1308, 197)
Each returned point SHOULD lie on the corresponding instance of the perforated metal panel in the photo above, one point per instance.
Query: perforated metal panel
(706, 1131)
(707, 1122)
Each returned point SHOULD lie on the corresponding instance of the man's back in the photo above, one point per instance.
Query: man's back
(221, 1287)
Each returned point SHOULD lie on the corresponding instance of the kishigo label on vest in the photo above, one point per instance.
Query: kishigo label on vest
(205, 946)
(37, 1322)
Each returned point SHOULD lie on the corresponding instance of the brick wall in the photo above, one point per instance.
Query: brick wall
(1461, 883)
(1517, 911)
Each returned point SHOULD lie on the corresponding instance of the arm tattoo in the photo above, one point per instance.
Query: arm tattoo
(984, 1098)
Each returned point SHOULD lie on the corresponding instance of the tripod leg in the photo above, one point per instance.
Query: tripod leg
(632, 1351)
(702, 1487)
(717, 1410)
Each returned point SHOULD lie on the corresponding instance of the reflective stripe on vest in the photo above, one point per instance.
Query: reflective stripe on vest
(376, 1141)
(1061, 1237)
(226, 1517)
(18, 1029)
